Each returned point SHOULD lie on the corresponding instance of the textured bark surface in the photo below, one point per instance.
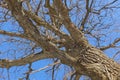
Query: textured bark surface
(99, 67)
(84, 58)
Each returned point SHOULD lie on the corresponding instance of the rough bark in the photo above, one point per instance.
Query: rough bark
(86, 59)
(96, 65)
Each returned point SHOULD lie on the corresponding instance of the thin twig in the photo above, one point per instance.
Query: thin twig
(45, 67)
(110, 45)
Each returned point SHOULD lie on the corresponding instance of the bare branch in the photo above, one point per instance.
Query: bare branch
(23, 61)
(86, 15)
(30, 69)
(110, 45)
(116, 54)
(58, 62)
(28, 5)
(40, 22)
(75, 51)
(72, 73)
(30, 29)
(74, 32)
(4, 5)
(12, 34)
(4, 63)
(107, 5)
(77, 77)
(37, 10)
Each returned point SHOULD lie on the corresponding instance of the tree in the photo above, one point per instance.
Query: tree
(61, 30)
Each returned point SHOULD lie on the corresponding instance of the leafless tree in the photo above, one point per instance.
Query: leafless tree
(75, 33)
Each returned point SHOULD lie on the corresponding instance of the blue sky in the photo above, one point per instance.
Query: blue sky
(15, 50)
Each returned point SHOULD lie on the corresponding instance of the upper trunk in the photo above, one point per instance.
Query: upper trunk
(86, 60)
(95, 64)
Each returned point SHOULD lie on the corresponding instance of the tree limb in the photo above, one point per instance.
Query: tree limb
(110, 45)
(28, 5)
(30, 29)
(34, 71)
(23, 61)
(86, 15)
(37, 10)
(74, 32)
(106, 6)
(4, 63)
(11, 34)
(40, 22)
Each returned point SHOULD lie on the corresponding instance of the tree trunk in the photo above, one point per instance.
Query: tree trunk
(95, 64)
(86, 59)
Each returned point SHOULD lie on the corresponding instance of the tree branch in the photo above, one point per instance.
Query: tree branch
(110, 45)
(106, 6)
(74, 32)
(28, 5)
(86, 15)
(23, 61)
(12, 34)
(4, 63)
(34, 71)
(37, 10)
(30, 29)
(40, 22)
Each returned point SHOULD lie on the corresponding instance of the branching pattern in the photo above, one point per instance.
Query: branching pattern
(42, 23)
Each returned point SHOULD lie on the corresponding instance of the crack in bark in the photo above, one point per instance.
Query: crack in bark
(79, 53)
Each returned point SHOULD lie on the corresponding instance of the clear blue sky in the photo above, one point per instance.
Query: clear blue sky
(12, 50)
